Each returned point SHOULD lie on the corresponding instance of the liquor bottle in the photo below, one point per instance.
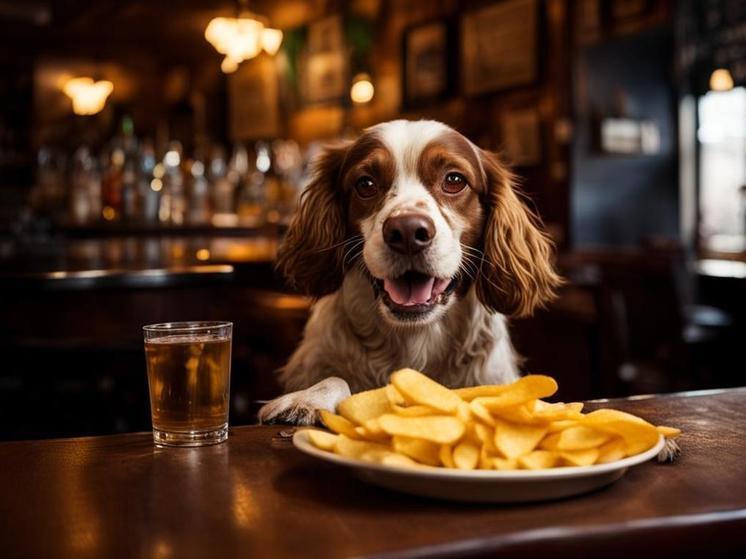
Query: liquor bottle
(288, 168)
(48, 195)
(265, 183)
(222, 190)
(111, 188)
(148, 185)
(85, 188)
(130, 146)
(198, 212)
(129, 190)
(173, 200)
(249, 188)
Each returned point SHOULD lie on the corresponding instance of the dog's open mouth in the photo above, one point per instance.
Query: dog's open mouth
(414, 293)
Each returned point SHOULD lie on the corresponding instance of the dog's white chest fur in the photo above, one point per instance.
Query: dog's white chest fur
(347, 338)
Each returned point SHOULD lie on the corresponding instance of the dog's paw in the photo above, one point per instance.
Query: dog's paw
(290, 408)
(670, 452)
(302, 407)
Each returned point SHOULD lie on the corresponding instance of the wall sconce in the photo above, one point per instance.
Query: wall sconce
(88, 96)
(241, 38)
(362, 89)
(721, 80)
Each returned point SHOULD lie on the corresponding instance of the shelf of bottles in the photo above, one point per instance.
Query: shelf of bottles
(127, 183)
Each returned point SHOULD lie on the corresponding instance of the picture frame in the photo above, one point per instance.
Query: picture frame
(429, 58)
(521, 135)
(253, 100)
(323, 66)
(499, 46)
(622, 10)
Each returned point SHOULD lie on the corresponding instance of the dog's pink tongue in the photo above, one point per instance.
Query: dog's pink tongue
(408, 291)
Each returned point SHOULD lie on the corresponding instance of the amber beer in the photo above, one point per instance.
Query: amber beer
(189, 368)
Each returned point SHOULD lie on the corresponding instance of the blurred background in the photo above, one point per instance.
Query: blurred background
(152, 152)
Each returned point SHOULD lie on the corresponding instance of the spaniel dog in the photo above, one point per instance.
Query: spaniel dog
(418, 247)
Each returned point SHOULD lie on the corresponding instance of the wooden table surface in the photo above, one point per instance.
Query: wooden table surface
(256, 496)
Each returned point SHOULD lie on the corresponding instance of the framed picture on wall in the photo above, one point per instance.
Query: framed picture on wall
(253, 100)
(323, 66)
(428, 69)
(499, 46)
(627, 9)
(323, 77)
(521, 134)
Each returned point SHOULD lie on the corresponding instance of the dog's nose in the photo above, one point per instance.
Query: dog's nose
(408, 233)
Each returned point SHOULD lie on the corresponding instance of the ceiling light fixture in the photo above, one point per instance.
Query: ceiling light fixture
(88, 96)
(242, 37)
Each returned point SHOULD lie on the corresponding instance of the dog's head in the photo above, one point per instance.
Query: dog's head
(426, 215)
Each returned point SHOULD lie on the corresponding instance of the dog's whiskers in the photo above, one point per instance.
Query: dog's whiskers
(478, 254)
(354, 238)
(475, 253)
(465, 271)
(353, 253)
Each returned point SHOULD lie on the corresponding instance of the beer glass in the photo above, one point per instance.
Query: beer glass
(189, 373)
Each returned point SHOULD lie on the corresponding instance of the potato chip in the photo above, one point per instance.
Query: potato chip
(485, 459)
(394, 459)
(466, 455)
(394, 396)
(538, 460)
(387, 457)
(468, 394)
(425, 452)
(638, 434)
(514, 440)
(363, 406)
(446, 456)
(443, 429)
(585, 457)
(463, 413)
(521, 391)
(578, 437)
(322, 439)
(561, 425)
(668, 432)
(421, 389)
(518, 414)
(372, 430)
(611, 451)
(351, 448)
(557, 412)
(413, 411)
(478, 410)
(486, 437)
(339, 424)
(549, 442)
(505, 463)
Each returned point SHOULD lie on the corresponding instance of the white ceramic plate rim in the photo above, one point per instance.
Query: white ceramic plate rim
(302, 443)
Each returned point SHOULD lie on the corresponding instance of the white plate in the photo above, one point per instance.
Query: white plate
(486, 485)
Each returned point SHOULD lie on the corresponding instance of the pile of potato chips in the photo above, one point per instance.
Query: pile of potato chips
(414, 421)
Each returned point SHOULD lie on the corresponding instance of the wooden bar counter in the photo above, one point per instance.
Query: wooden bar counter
(256, 496)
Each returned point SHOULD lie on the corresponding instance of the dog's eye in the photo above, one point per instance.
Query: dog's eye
(365, 187)
(454, 183)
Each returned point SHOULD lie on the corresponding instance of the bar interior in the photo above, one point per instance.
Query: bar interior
(153, 156)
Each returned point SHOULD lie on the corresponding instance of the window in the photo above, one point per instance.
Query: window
(722, 171)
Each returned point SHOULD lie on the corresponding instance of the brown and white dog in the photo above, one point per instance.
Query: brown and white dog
(419, 247)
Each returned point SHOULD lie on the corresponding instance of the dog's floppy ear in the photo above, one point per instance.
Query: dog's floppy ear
(311, 253)
(517, 276)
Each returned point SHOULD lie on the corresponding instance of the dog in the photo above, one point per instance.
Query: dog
(419, 248)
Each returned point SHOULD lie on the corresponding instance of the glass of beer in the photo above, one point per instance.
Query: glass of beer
(189, 374)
